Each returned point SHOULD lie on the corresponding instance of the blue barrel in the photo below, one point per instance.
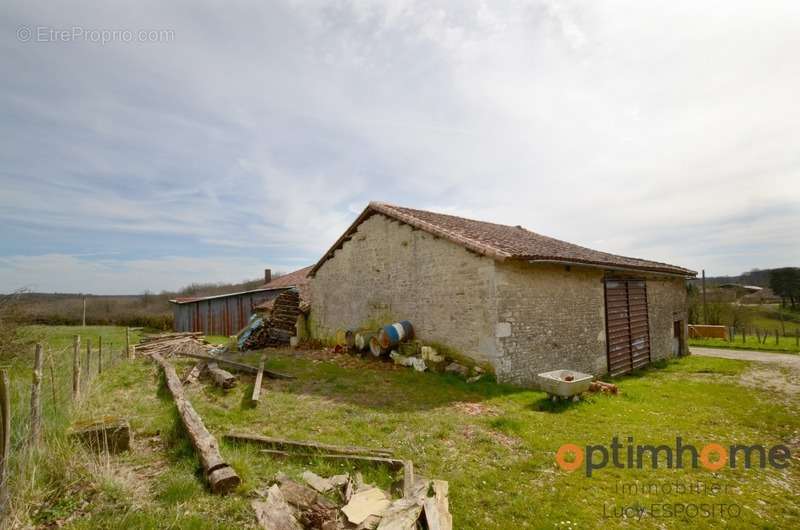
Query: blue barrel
(394, 334)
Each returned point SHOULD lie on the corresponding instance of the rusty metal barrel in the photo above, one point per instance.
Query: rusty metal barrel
(393, 334)
(375, 346)
(362, 340)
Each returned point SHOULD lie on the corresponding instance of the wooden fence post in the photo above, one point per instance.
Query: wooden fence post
(776, 337)
(88, 360)
(36, 397)
(5, 439)
(76, 368)
(744, 334)
(797, 336)
(53, 381)
(128, 342)
(100, 355)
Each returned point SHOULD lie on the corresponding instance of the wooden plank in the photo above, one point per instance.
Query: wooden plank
(194, 374)
(305, 447)
(408, 478)
(257, 385)
(393, 464)
(436, 508)
(239, 366)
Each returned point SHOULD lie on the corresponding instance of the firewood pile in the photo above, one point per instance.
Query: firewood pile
(278, 326)
(603, 387)
(347, 502)
(168, 344)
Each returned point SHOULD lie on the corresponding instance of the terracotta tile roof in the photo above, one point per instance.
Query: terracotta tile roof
(502, 242)
(298, 278)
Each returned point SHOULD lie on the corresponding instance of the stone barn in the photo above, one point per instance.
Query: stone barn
(512, 300)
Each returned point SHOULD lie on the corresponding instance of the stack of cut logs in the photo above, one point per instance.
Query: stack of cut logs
(279, 325)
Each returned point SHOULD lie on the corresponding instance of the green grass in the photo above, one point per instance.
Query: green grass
(499, 462)
(43, 481)
(784, 345)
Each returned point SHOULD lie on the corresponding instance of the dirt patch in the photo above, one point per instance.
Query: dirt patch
(474, 409)
(474, 432)
(346, 360)
(772, 378)
(150, 449)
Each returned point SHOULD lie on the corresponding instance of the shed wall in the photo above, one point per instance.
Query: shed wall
(219, 316)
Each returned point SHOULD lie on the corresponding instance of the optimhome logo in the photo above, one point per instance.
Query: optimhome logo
(712, 456)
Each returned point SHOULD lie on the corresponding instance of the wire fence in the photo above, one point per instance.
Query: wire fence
(39, 395)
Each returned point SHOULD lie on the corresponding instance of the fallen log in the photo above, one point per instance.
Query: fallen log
(221, 477)
(239, 366)
(222, 378)
(306, 447)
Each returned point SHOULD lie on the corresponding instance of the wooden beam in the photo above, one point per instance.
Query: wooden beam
(221, 476)
(247, 368)
(257, 385)
(306, 447)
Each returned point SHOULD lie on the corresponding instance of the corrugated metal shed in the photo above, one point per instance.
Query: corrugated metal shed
(224, 314)
(227, 314)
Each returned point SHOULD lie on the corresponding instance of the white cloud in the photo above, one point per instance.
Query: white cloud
(639, 128)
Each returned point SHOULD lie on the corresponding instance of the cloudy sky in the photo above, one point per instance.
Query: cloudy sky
(248, 135)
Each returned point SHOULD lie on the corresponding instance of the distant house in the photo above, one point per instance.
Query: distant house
(227, 314)
(504, 296)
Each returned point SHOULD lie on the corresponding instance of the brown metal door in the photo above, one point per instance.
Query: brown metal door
(628, 333)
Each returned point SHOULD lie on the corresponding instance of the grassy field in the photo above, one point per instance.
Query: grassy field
(784, 345)
(766, 320)
(495, 444)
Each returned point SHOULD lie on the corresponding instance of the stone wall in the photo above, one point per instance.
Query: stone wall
(666, 303)
(388, 271)
(549, 318)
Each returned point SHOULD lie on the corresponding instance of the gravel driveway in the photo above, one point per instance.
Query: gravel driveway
(786, 359)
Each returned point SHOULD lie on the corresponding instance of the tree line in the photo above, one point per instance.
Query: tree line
(785, 282)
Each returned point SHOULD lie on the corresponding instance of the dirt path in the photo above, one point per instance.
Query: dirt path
(785, 359)
(780, 372)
